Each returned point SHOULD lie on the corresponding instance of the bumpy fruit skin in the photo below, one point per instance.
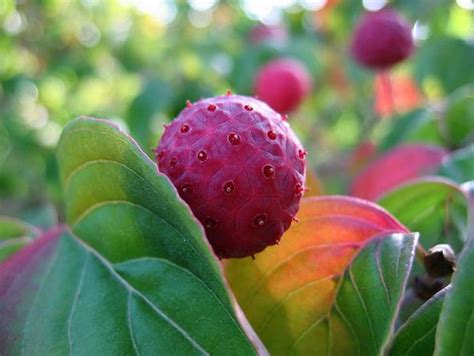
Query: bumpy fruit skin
(283, 83)
(382, 39)
(240, 168)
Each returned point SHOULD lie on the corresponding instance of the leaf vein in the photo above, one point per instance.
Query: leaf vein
(76, 298)
(364, 306)
(418, 340)
(28, 316)
(346, 321)
(381, 274)
(129, 321)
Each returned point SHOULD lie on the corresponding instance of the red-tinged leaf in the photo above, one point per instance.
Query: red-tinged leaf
(395, 167)
(349, 208)
(289, 287)
(361, 155)
(20, 274)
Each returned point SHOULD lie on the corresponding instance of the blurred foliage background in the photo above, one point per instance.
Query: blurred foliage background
(136, 62)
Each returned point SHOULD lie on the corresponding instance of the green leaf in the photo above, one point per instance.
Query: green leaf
(419, 126)
(456, 323)
(364, 310)
(59, 296)
(120, 206)
(434, 207)
(417, 335)
(14, 234)
(459, 165)
(450, 53)
(458, 118)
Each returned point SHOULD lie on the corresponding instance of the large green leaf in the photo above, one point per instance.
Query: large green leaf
(454, 335)
(459, 165)
(417, 336)
(294, 294)
(14, 234)
(123, 209)
(59, 296)
(434, 207)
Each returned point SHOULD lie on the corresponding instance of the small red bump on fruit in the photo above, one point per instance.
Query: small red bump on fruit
(202, 156)
(173, 162)
(228, 187)
(185, 128)
(188, 103)
(272, 135)
(234, 138)
(187, 188)
(228, 93)
(160, 155)
(260, 219)
(210, 223)
(211, 107)
(284, 117)
(298, 189)
(268, 171)
(248, 107)
(302, 154)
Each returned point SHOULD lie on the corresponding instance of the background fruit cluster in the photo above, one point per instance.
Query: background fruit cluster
(114, 60)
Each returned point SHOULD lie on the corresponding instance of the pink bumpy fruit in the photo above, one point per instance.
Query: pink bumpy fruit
(282, 84)
(382, 39)
(241, 169)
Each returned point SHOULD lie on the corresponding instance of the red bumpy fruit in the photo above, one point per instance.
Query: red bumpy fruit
(283, 83)
(241, 169)
(382, 39)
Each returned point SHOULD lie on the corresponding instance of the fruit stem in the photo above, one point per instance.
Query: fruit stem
(387, 85)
